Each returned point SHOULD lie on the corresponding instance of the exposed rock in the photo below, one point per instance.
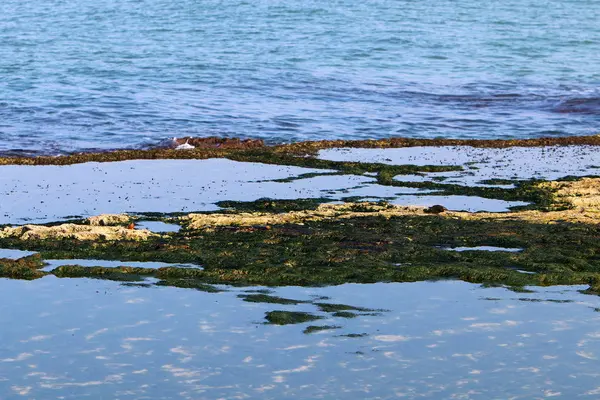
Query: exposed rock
(73, 231)
(436, 209)
(109, 219)
(583, 194)
(323, 212)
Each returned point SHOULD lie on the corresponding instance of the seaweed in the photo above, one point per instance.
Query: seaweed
(354, 335)
(23, 268)
(345, 314)
(264, 298)
(289, 317)
(314, 328)
(348, 243)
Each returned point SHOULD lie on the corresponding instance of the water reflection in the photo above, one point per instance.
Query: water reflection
(86, 338)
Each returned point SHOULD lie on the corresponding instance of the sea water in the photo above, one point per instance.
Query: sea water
(78, 75)
(87, 338)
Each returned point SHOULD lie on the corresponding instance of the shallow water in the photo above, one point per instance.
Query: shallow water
(158, 226)
(49, 193)
(13, 254)
(38, 194)
(80, 338)
(114, 73)
(481, 164)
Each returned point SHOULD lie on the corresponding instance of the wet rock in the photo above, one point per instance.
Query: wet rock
(436, 209)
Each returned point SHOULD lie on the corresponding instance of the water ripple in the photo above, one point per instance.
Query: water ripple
(121, 73)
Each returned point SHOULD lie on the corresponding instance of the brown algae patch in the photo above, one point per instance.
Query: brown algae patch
(76, 232)
(219, 143)
(255, 150)
(311, 147)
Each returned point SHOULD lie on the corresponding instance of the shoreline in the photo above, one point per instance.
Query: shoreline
(211, 147)
(283, 243)
(312, 213)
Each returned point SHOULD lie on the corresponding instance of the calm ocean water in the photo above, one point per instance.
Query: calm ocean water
(77, 75)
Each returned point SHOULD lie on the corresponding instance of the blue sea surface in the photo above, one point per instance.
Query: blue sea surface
(77, 75)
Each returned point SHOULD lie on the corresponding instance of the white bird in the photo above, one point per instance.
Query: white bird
(185, 146)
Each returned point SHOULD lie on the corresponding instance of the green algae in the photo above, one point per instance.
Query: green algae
(314, 328)
(559, 301)
(529, 191)
(303, 176)
(268, 156)
(354, 335)
(23, 268)
(350, 243)
(187, 283)
(272, 205)
(362, 249)
(513, 288)
(289, 317)
(345, 314)
(332, 308)
(353, 250)
(113, 274)
(496, 181)
(264, 298)
(259, 291)
(138, 284)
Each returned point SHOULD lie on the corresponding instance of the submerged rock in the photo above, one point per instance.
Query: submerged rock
(581, 105)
